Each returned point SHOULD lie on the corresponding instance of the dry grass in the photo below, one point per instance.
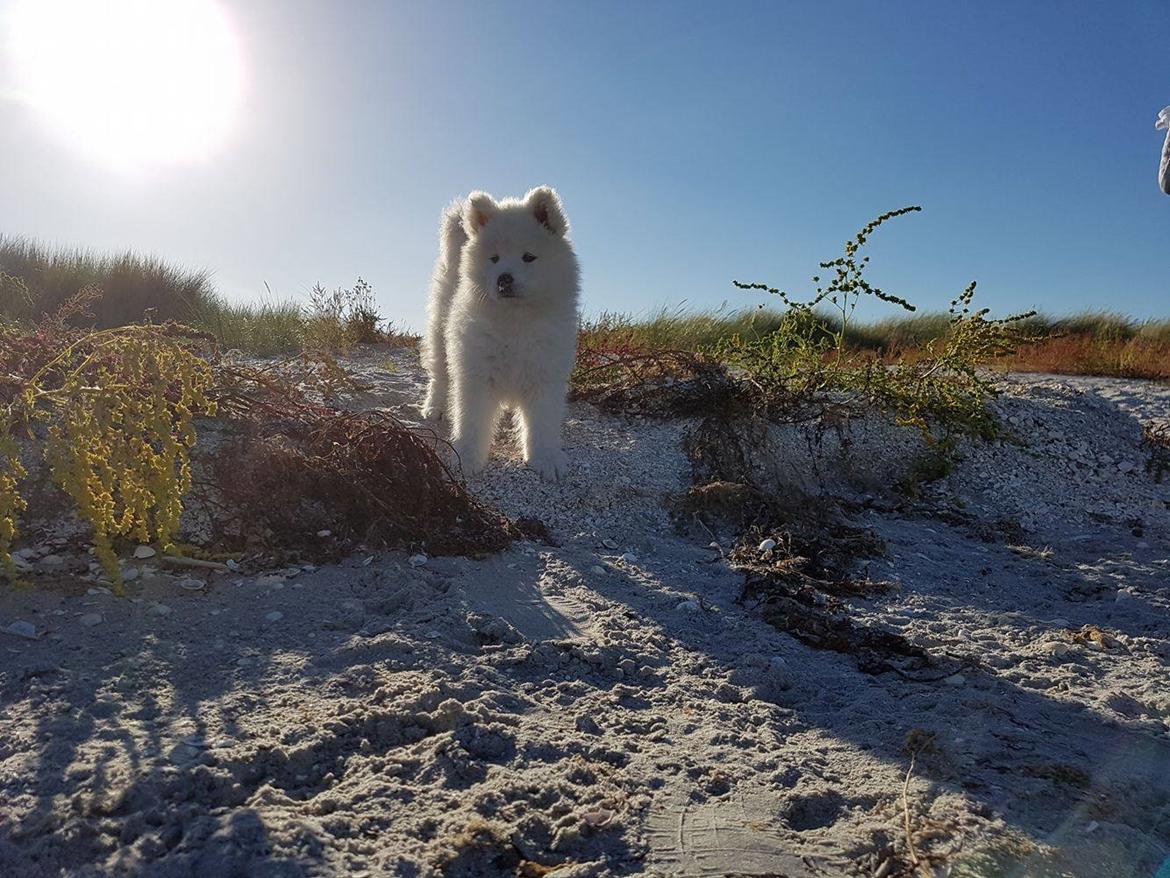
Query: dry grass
(37, 280)
(1137, 357)
(1090, 343)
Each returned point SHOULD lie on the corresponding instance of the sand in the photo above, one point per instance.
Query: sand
(609, 705)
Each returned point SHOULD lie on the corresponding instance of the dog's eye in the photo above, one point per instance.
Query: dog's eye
(495, 259)
(528, 257)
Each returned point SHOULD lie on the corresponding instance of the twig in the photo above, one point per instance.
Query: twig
(915, 860)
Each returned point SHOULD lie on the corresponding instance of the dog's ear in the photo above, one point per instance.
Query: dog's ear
(544, 204)
(480, 208)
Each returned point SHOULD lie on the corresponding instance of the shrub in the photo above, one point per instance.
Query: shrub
(111, 413)
(340, 318)
(938, 389)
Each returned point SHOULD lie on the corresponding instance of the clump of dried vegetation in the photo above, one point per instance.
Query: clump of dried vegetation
(1156, 440)
(109, 418)
(798, 556)
(295, 467)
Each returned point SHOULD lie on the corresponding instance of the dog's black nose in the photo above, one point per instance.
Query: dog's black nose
(503, 281)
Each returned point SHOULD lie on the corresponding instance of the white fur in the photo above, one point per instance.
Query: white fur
(486, 350)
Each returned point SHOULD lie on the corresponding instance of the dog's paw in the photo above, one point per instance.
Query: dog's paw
(552, 465)
(431, 413)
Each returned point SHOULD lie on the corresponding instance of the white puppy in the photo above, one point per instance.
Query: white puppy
(502, 328)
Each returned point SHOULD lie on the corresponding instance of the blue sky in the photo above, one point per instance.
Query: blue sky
(693, 143)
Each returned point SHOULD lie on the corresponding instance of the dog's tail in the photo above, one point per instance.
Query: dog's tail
(452, 237)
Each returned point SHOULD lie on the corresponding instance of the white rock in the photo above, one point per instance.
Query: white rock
(130, 574)
(597, 570)
(274, 616)
(955, 680)
(630, 558)
(688, 606)
(780, 673)
(160, 610)
(418, 560)
(324, 533)
(609, 544)
(768, 545)
(1123, 596)
(143, 552)
(270, 580)
(91, 619)
(1057, 648)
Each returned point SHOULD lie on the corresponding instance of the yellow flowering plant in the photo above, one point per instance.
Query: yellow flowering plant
(112, 414)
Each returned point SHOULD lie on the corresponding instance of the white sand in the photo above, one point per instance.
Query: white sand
(622, 715)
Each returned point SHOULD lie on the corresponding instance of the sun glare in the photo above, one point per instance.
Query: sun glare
(130, 82)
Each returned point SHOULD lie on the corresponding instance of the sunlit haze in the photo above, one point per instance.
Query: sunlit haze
(128, 82)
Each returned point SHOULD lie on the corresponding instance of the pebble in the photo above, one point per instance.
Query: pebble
(130, 574)
(52, 560)
(160, 610)
(91, 619)
(324, 533)
(955, 680)
(274, 616)
(1057, 649)
(609, 544)
(418, 560)
(1123, 596)
(780, 672)
(22, 628)
(192, 584)
(271, 580)
(688, 606)
(630, 558)
(768, 545)
(143, 552)
(598, 817)
(597, 570)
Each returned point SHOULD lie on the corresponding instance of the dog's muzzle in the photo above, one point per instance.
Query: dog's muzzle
(505, 286)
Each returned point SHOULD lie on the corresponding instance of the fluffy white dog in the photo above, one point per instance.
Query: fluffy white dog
(502, 327)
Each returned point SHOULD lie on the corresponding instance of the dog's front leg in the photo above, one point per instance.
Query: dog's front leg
(435, 405)
(475, 410)
(541, 419)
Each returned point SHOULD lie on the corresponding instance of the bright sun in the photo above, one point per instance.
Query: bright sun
(130, 82)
